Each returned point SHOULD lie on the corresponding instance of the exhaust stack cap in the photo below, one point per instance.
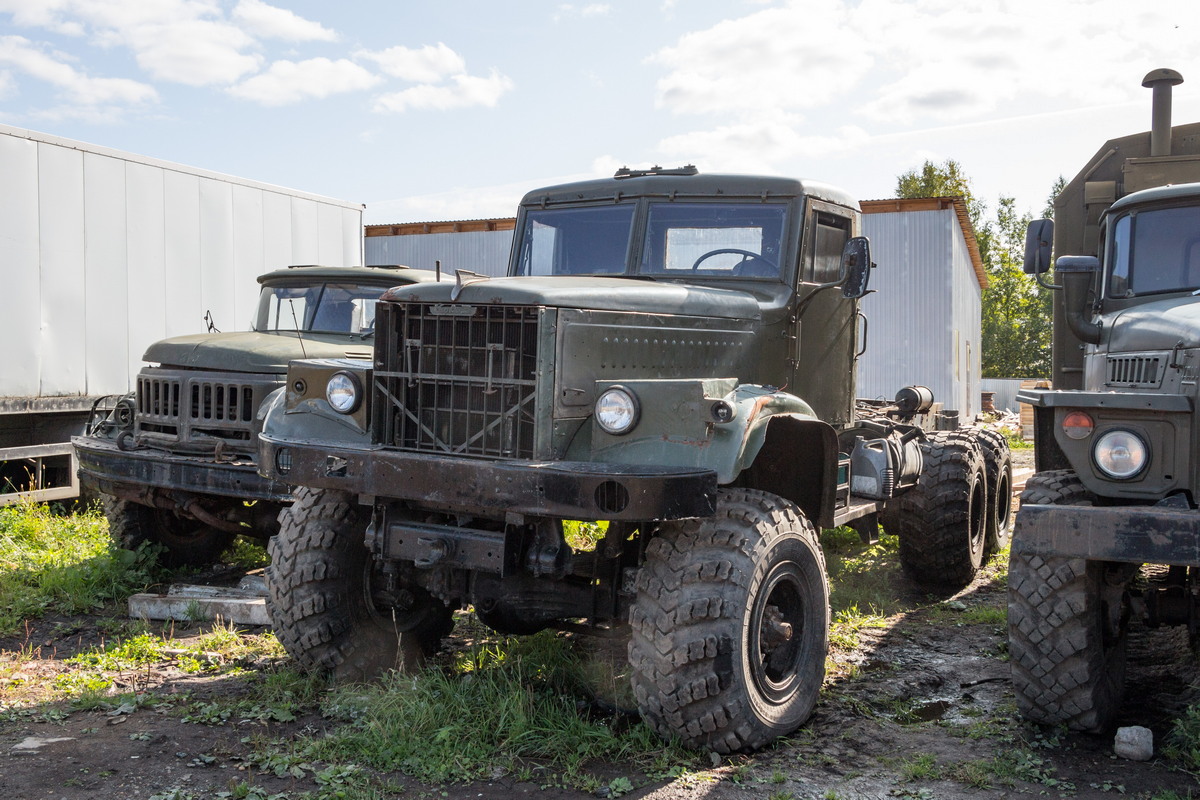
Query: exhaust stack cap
(1161, 81)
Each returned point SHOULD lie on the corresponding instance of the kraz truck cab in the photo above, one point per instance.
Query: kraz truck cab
(672, 358)
(1118, 477)
(174, 460)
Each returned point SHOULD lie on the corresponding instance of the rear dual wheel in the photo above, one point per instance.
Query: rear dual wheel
(942, 521)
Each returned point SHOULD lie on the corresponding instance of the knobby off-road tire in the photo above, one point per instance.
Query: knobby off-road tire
(319, 593)
(942, 521)
(997, 467)
(1066, 642)
(186, 542)
(713, 658)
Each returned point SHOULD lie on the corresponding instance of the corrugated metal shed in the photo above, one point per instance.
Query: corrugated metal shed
(478, 245)
(924, 313)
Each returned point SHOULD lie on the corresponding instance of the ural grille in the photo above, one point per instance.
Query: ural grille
(457, 379)
(1134, 371)
(158, 399)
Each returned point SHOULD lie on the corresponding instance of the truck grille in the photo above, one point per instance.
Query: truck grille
(174, 408)
(457, 379)
(1141, 371)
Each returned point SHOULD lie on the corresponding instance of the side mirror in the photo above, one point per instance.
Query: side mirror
(856, 267)
(1039, 239)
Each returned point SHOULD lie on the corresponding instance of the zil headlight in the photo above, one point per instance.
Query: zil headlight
(617, 410)
(1120, 454)
(344, 392)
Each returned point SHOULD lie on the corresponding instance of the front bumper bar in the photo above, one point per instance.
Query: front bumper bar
(1131, 534)
(581, 490)
(128, 472)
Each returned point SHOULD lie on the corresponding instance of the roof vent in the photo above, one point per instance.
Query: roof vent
(626, 172)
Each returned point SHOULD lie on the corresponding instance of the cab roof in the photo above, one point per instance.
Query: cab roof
(685, 183)
(1178, 191)
(385, 275)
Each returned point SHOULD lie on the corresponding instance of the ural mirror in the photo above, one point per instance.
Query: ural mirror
(1038, 240)
(856, 267)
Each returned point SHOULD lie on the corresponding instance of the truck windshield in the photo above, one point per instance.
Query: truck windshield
(1154, 251)
(714, 239)
(681, 240)
(325, 307)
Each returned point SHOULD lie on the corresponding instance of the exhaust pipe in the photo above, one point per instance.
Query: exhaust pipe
(1161, 81)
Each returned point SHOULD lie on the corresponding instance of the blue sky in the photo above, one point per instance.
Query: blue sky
(448, 110)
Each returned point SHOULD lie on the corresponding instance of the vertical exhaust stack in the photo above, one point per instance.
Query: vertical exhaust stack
(1161, 81)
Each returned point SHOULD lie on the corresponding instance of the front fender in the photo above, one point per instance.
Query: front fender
(678, 426)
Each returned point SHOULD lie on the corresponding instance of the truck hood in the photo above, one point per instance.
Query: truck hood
(252, 351)
(599, 294)
(1160, 325)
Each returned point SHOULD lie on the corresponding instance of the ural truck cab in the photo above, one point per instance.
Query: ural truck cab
(671, 356)
(1118, 478)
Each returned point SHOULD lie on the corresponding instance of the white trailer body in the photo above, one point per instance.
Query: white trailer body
(103, 253)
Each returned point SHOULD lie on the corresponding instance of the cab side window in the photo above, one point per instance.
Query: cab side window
(830, 236)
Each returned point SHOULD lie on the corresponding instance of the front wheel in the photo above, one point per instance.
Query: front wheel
(186, 542)
(1067, 624)
(329, 606)
(731, 624)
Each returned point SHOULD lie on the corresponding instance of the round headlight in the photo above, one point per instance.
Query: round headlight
(1120, 454)
(617, 410)
(343, 392)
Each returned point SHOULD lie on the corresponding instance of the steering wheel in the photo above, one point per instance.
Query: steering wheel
(745, 254)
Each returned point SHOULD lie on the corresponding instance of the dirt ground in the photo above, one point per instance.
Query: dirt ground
(920, 709)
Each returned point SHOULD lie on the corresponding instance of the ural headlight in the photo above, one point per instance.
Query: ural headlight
(344, 392)
(1120, 454)
(617, 410)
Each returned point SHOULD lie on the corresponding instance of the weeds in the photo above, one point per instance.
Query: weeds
(61, 563)
(497, 708)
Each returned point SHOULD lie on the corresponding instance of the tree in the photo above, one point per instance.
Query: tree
(1017, 313)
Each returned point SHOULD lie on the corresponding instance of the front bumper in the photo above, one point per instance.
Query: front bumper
(125, 473)
(1132, 534)
(581, 490)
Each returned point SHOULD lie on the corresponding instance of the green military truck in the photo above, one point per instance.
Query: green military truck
(174, 460)
(672, 355)
(1117, 474)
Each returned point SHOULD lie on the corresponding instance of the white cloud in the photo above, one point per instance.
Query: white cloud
(930, 60)
(770, 59)
(8, 85)
(292, 81)
(76, 87)
(589, 10)
(758, 146)
(279, 23)
(428, 64)
(464, 91)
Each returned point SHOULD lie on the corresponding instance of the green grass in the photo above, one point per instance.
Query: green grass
(862, 576)
(62, 563)
(498, 709)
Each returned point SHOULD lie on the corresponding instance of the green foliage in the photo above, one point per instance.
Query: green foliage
(61, 563)
(1182, 745)
(1018, 314)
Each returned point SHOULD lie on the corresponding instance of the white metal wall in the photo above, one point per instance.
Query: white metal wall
(923, 316)
(104, 252)
(485, 252)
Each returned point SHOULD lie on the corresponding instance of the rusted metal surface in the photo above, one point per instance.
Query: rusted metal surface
(1132, 534)
(563, 489)
(106, 463)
